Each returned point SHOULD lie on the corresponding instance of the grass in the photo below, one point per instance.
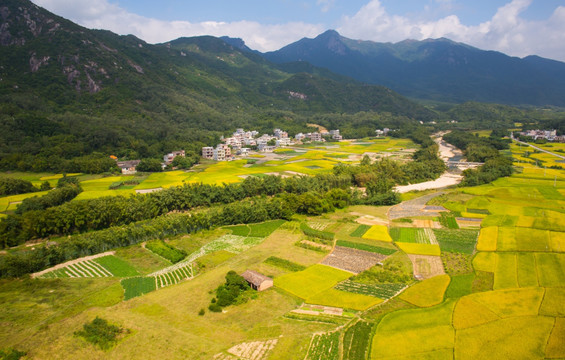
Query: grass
(360, 231)
(284, 264)
(117, 266)
(551, 269)
(511, 302)
(460, 286)
(457, 241)
(505, 275)
(165, 250)
(526, 269)
(343, 299)
(398, 321)
(239, 230)
(137, 286)
(264, 229)
(555, 348)
(488, 238)
(469, 313)
(553, 303)
(427, 293)
(419, 249)
(311, 281)
(365, 247)
(505, 339)
(143, 261)
(378, 233)
(485, 261)
(431, 343)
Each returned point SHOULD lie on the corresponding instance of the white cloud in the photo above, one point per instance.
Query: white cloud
(325, 4)
(506, 31)
(100, 14)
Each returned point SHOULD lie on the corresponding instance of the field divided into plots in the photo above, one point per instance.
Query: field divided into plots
(106, 266)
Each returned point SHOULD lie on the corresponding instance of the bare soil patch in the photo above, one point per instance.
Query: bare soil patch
(369, 220)
(430, 224)
(426, 266)
(352, 260)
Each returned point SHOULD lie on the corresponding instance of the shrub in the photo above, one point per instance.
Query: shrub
(11, 354)
(99, 332)
(201, 312)
(215, 308)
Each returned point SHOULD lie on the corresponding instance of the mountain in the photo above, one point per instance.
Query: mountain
(67, 91)
(438, 69)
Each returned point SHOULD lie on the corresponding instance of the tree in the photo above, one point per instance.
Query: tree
(149, 165)
(45, 186)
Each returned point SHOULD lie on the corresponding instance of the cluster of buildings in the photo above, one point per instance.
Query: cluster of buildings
(241, 142)
(549, 135)
(382, 132)
(129, 167)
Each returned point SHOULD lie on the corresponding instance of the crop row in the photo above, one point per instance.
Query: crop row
(86, 268)
(174, 276)
(325, 235)
(324, 347)
(366, 247)
(356, 341)
(381, 291)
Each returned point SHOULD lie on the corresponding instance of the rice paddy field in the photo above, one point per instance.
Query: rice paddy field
(500, 295)
(307, 160)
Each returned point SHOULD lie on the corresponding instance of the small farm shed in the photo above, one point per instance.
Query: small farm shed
(257, 281)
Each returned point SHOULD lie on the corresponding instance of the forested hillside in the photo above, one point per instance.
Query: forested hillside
(71, 96)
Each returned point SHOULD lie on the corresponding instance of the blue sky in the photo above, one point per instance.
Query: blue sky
(515, 27)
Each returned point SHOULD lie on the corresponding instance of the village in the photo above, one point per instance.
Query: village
(549, 135)
(241, 143)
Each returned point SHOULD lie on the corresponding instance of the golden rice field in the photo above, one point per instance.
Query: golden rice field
(510, 306)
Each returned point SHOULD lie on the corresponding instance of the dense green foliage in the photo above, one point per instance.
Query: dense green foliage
(231, 292)
(165, 250)
(55, 197)
(101, 213)
(481, 149)
(437, 69)
(117, 95)
(11, 354)
(12, 186)
(100, 333)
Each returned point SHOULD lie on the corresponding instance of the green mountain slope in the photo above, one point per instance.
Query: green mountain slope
(67, 91)
(434, 69)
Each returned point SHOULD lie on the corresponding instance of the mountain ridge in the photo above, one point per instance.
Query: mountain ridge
(434, 69)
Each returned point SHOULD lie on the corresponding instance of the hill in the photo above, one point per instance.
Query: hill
(434, 69)
(68, 91)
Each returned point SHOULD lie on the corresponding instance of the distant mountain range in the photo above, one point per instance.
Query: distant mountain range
(440, 69)
(67, 91)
